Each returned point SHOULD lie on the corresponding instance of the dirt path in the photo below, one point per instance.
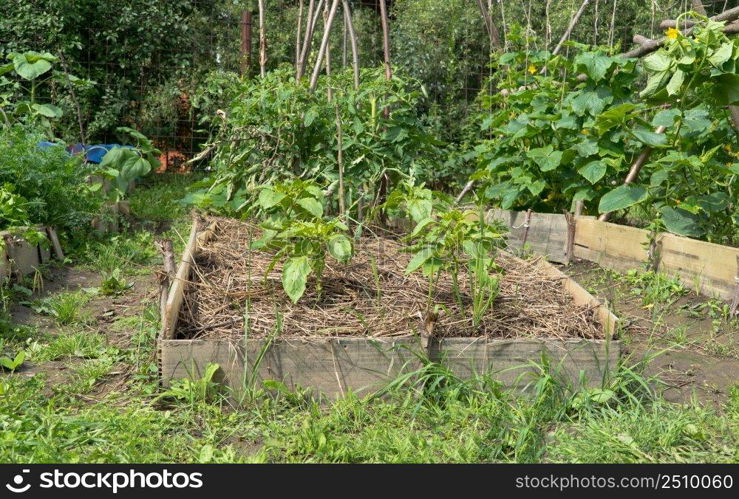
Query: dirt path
(693, 347)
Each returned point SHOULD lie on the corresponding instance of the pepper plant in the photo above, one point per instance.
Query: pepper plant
(299, 235)
(452, 240)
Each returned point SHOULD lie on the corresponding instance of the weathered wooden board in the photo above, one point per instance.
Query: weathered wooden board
(581, 297)
(546, 233)
(19, 257)
(710, 269)
(176, 291)
(612, 246)
(513, 362)
(332, 367)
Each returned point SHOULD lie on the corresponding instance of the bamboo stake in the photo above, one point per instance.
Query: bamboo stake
(329, 90)
(344, 43)
(297, 37)
(572, 25)
(385, 41)
(306, 42)
(340, 160)
(262, 41)
(324, 44)
(384, 181)
(490, 27)
(352, 41)
(312, 20)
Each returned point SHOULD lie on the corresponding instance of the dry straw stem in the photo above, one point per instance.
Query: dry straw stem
(358, 300)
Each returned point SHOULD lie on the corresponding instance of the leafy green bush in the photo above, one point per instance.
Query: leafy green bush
(51, 184)
(553, 140)
(123, 165)
(277, 129)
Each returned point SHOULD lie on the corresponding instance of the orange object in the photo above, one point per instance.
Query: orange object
(173, 161)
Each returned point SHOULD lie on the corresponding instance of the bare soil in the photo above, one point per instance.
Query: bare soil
(692, 352)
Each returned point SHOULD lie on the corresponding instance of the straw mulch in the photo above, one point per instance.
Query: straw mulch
(359, 301)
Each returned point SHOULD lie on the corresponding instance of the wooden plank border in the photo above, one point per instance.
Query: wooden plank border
(710, 269)
(19, 258)
(177, 290)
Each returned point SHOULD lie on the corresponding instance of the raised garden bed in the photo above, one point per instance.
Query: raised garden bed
(711, 269)
(370, 322)
(19, 258)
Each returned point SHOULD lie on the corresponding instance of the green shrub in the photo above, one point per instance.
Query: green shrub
(51, 184)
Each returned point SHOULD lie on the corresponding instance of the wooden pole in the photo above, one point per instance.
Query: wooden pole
(299, 66)
(297, 36)
(312, 18)
(262, 41)
(384, 180)
(340, 161)
(329, 90)
(165, 277)
(492, 30)
(324, 45)
(344, 43)
(245, 42)
(352, 41)
(572, 25)
(385, 41)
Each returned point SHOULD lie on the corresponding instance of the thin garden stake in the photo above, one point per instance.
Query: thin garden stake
(262, 41)
(324, 44)
(312, 20)
(297, 36)
(306, 41)
(569, 29)
(340, 161)
(385, 41)
(352, 41)
(329, 90)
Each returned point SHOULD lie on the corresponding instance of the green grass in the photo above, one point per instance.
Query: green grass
(79, 344)
(455, 421)
(127, 251)
(158, 198)
(66, 308)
